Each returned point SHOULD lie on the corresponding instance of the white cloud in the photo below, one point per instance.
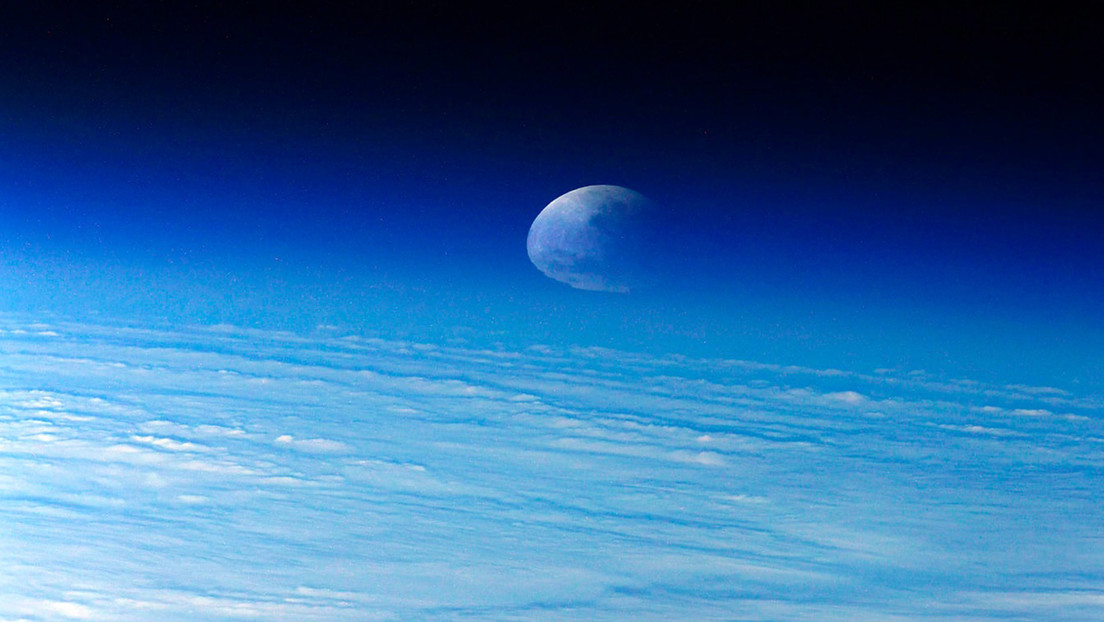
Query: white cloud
(851, 398)
(275, 476)
(319, 445)
(54, 609)
(168, 444)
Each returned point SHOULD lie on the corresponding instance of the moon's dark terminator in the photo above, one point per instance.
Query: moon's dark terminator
(598, 238)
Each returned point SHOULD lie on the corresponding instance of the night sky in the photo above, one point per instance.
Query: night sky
(850, 185)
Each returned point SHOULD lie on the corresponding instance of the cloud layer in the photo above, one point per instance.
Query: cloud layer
(222, 473)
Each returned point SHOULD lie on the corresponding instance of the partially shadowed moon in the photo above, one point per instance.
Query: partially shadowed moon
(598, 238)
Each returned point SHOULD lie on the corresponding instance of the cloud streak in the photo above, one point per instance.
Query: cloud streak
(229, 474)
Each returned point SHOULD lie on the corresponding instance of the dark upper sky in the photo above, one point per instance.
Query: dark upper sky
(862, 158)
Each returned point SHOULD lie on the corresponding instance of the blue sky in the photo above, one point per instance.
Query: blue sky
(863, 189)
(272, 346)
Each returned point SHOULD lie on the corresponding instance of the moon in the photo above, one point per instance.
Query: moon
(598, 238)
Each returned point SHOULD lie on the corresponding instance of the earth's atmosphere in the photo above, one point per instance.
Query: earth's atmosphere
(219, 473)
(272, 347)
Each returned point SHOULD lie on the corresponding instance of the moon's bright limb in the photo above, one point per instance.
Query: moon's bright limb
(595, 238)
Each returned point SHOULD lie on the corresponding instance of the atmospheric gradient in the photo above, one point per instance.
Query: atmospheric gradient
(314, 311)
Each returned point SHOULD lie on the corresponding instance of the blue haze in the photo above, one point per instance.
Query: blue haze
(273, 348)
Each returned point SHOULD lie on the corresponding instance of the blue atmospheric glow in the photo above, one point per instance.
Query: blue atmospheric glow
(272, 347)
